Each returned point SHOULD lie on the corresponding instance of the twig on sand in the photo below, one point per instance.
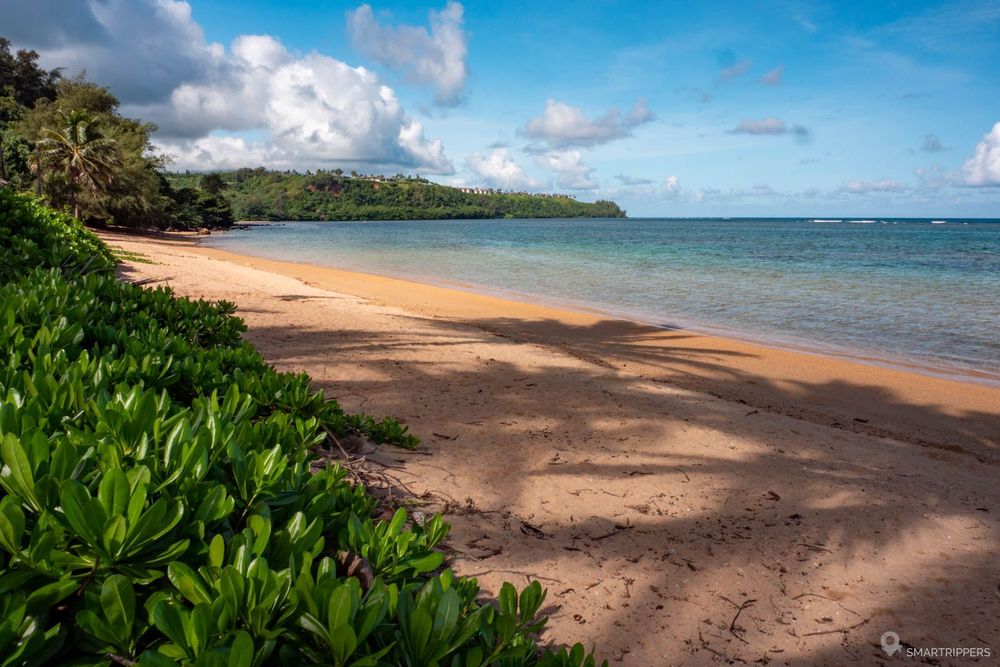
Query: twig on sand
(619, 528)
(837, 630)
(149, 281)
(817, 595)
(528, 575)
(333, 438)
(739, 610)
(857, 625)
(704, 645)
(357, 468)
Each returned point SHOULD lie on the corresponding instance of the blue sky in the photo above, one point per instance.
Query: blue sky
(777, 108)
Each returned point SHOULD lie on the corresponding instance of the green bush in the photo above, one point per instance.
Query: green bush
(32, 235)
(159, 502)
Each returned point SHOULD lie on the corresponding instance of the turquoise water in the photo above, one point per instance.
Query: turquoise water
(904, 291)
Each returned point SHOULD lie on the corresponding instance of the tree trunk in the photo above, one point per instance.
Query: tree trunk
(38, 171)
(74, 179)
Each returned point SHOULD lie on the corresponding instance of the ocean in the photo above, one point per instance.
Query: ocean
(903, 291)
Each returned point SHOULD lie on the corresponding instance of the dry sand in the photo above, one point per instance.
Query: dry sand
(685, 499)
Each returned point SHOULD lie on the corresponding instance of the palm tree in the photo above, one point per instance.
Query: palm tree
(86, 158)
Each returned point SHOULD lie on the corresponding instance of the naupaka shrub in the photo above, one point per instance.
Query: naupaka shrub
(160, 501)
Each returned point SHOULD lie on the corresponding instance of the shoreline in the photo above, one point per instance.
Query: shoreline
(944, 413)
(651, 480)
(962, 374)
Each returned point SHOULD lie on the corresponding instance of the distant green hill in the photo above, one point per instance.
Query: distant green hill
(259, 194)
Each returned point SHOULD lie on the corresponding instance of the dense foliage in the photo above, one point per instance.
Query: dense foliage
(259, 194)
(102, 164)
(162, 501)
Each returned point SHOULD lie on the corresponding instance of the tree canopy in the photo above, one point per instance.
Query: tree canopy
(105, 169)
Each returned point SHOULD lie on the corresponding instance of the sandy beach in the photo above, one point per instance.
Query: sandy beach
(685, 499)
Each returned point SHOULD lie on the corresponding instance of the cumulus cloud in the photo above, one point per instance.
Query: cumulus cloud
(932, 144)
(572, 173)
(498, 168)
(141, 50)
(223, 152)
(303, 110)
(562, 125)
(769, 126)
(436, 57)
(983, 168)
(672, 184)
(773, 77)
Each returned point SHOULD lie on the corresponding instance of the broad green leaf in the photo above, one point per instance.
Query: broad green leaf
(241, 651)
(189, 583)
(398, 520)
(216, 551)
(508, 599)
(339, 607)
(113, 535)
(16, 474)
(11, 524)
(171, 621)
(447, 614)
(85, 517)
(118, 604)
(44, 597)
(342, 643)
(113, 492)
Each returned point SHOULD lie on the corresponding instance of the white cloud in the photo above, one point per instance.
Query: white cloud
(672, 184)
(436, 58)
(498, 168)
(223, 152)
(304, 110)
(983, 168)
(320, 107)
(773, 77)
(141, 50)
(572, 173)
(769, 126)
(562, 125)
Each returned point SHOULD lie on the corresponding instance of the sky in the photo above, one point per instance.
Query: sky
(671, 109)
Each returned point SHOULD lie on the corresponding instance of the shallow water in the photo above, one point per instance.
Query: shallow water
(907, 291)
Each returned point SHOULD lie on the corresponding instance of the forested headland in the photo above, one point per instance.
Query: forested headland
(260, 194)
